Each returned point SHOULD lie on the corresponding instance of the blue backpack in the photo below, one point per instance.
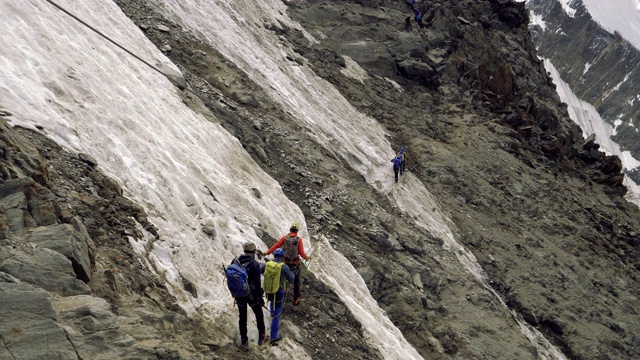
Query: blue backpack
(237, 279)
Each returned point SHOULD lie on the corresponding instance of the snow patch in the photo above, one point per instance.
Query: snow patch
(537, 20)
(622, 16)
(587, 66)
(587, 117)
(566, 6)
(395, 84)
(354, 70)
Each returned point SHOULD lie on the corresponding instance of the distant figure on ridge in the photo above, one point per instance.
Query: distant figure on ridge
(293, 250)
(275, 274)
(243, 279)
(397, 162)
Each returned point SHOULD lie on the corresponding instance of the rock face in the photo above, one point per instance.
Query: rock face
(28, 316)
(540, 208)
(54, 278)
(600, 67)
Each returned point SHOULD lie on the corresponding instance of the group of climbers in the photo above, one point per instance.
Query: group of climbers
(246, 287)
(399, 163)
(417, 15)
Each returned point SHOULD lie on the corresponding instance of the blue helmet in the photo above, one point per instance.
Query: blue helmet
(402, 149)
(278, 253)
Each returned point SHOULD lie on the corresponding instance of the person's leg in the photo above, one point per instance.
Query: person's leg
(257, 310)
(402, 167)
(242, 321)
(396, 174)
(297, 268)
(276, 313)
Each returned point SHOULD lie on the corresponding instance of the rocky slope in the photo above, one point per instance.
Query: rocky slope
(541, 209)
(601, 68)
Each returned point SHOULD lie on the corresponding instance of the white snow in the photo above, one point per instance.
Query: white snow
(587, 66)
(615, 88)
(354, 70)
(585, 115)
(537, 20)
(622, 16)
(181, 165)
(566, 5)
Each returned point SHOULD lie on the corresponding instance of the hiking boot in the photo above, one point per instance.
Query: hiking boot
(297, 301)
(262, 339)
(275, 341)
(244, 346)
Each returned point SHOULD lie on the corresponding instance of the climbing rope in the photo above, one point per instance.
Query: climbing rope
(285, 297)
(112, 41)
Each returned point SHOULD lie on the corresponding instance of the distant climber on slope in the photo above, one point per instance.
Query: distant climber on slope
(402, 163)
(293, 250)
(277, 275)
(397, 162)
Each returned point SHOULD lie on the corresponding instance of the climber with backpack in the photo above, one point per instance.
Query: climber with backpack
(243, 280)
(277, 275)
(293, 250)
(397, 164)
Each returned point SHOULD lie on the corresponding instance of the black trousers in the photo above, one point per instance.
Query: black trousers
(396, 172)
(256, 306)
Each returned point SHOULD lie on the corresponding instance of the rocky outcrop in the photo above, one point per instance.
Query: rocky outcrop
(62, 294)
(29, 327)
(601, 68)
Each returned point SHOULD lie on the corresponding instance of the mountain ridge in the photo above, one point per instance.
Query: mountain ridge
(469, 85)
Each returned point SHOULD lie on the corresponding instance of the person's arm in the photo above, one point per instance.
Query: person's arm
(301, 249)
(254, 279)
(288, 274)
(275, 246)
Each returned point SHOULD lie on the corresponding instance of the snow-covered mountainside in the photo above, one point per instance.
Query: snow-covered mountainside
(594, 45)
(136, 162)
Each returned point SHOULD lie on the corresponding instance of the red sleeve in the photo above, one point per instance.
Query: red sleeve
(301, 249)
(276, 245)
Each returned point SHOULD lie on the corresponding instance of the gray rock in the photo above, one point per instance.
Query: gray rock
(66, 240)
(16, 200)
(43, 268)
(86, 314)
(78, 225)
(15, 221)
(416, 70)
(42, 211)
(14, 185)
(28, 328)
(209, 230)
(88, 159)
(112, 185)
(163, 28)
(94, 330)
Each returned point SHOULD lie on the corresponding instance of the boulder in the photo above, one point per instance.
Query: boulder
(28, 328)
(94, 330)
(417, 71)
(12, 186)
(64, 239)
(16, 200)
(43, 268)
